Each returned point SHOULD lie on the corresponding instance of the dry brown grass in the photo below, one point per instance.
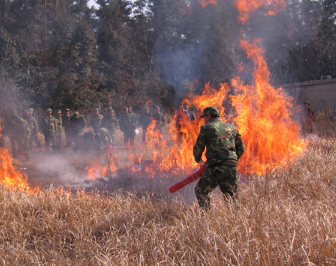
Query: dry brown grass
(286, 217)
(325, 125)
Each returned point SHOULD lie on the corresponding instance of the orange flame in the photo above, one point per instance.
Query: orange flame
(9, 175)
(246, 7)
(209, 2)
(264, 119)
(211, 97)
(264, 113)
(96, 170)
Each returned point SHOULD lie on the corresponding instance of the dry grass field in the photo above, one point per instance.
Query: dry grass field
(286, 217)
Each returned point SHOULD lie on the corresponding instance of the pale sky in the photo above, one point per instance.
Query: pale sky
(92, 3)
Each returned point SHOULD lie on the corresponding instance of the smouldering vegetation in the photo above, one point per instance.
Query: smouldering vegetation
(286, 217)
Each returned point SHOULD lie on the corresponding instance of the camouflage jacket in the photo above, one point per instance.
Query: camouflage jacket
(126, 122)
(223, 143)
(159, 118)
(110, 122)
(48, 125)
(103, 137)
(133, 118)
(14, 125)
(78, 123)
(66, 122)
(32, 122)
(96, 122)
(59, 124)
(145, 120)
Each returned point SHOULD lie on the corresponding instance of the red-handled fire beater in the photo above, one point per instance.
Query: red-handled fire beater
(188, 179)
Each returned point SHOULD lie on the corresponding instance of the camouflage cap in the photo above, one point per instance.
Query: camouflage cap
(49, 110)
(31, 109)
(67, 109)
(125, 108)
(76, 114)
(110, 109)
(59, 111)
(211, 110)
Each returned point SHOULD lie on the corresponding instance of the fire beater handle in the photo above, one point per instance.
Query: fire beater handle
(188, 179)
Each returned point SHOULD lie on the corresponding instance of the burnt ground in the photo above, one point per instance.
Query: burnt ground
(69, 169)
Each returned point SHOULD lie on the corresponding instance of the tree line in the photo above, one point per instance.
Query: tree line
(64, 54)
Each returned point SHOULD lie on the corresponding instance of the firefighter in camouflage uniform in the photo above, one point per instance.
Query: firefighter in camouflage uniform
(127, 126)
(110, 122)
(26, 117)
(48, 128)
(224, 147)
(158, 117)
(78, 124)
(67, 127)
(145, 121)
(18, 132)
(96, 120)
(34, 129)
(59, 129)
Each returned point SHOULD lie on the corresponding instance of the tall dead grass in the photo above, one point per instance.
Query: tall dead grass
(286, 217)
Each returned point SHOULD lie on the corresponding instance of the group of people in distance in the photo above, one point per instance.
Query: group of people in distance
(65, 129)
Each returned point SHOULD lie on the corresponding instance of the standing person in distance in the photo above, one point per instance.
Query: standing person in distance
(184, 117)
(191, 116)
(67, 127)
(308, 119)
(48, 127)
(126, 126)
(224, 147)
(133, 116)
(159, 118)
(145, 121)
(96, 120)
(33, 124)
(110, 122)
(134, 123)
(78, 124)
(59, 129)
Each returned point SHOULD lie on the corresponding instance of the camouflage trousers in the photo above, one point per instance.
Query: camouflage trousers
(34, 141)
(50, 140)
(68, 138)
(224, 176)
(111, 131)
(129, 136)
(58, 140)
